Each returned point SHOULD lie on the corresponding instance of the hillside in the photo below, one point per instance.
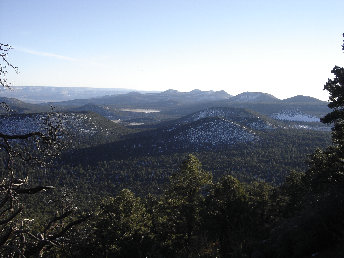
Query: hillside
(150, 109)
(248, 134)
(237, 115)
(14, 105)
(240, 142)
(161, 101)
(303, 99)
(254, 97)
(79, 128)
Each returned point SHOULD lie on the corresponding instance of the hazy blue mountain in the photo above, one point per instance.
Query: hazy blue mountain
(42, 94)
(162, 100)
(11, 105)
(148, 110)
(303, 99)
(254, 97)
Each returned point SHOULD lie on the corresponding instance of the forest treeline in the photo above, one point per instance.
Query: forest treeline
(195, 217)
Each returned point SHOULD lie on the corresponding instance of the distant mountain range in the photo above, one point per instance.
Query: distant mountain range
(43, 94)
(254, 97)
(146, 109)
(301, 99)
(86, 95)
(162, 100)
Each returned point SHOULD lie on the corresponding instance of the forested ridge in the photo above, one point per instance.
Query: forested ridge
(126, 191)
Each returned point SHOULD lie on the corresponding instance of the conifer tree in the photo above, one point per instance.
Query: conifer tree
(327, 167)
(180, 219)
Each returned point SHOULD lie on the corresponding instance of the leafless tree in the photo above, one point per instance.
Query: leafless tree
(5, 65)
(31, 148)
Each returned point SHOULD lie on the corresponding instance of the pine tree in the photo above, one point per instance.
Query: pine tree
(327, 166)
(181, 205)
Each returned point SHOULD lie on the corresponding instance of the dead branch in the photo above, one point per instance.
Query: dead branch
(33, 190)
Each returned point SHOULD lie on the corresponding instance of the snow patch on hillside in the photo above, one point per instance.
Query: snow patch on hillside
(295, 116)
(247, 97)
(240, 116)
(323, 128)
(211, 112)
(76, 123)
(216, 132)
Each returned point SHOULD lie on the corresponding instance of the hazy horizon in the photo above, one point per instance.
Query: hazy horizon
(127, 90)
(281, 48)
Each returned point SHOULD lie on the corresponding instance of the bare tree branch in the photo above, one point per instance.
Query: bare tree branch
(4, 49)
(69, 226)
(21, 136)
(12, 216)
(33, 190)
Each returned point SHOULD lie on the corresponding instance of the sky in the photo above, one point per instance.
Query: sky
(284, 48)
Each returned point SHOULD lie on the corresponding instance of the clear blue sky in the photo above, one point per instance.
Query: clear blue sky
(280, 47)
